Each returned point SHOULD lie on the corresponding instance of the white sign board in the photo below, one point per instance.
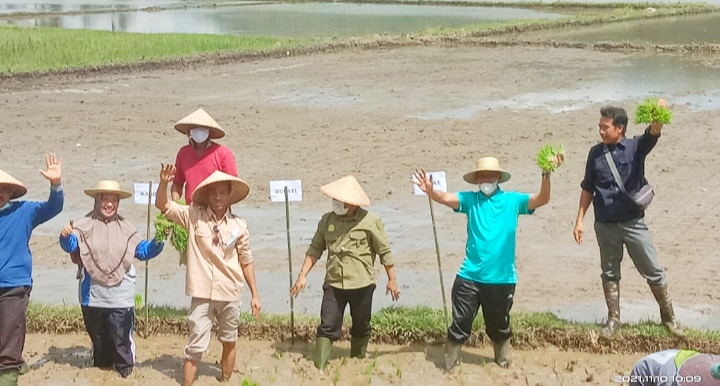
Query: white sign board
(277, 190)
(142, 192)
(439, 183)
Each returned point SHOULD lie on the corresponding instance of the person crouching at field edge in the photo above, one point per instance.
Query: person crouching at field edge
(353, 237)
(218, 260)
(487, 276)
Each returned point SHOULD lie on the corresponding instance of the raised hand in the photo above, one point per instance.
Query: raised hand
(423, 181)
(53, 170)
(167, 172)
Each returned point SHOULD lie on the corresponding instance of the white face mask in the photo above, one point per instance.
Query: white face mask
(339, 207)
(488, 188)
(199, 134)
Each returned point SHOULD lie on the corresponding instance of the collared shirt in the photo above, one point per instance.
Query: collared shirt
(191, 170)
(17, 222)
(491, 227)
(611, 205)
(216, 251)
(352, 243)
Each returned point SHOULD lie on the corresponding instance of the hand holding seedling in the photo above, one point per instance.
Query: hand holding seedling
(550, 158)
(656, 112)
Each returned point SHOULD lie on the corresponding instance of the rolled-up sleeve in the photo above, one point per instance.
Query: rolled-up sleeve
(381, 245)
(179, 214)
(588, 182)
(317, 245)
(245, 255)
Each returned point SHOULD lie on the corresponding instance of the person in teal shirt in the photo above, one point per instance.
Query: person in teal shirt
(487, 277)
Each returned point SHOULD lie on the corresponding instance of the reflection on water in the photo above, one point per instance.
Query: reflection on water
(290, 20)
(11, 6)
(685, 30)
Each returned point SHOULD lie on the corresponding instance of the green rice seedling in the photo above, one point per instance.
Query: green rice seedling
(165, 228)
(649, 111)
(551, 157)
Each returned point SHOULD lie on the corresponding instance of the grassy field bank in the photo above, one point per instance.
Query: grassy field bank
(38, 50)
(407, 325)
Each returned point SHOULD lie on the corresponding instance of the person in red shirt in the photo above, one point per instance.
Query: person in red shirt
(201, 157)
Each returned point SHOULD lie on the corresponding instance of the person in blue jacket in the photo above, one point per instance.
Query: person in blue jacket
(105, 245)
(17, 221)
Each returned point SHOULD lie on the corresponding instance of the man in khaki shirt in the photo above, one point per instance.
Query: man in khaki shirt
(353, 237)
(218, 260)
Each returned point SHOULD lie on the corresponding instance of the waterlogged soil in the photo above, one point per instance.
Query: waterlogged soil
(379, 114)
(66, 359)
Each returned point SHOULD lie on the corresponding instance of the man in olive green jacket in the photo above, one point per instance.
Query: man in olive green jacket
(353, 237)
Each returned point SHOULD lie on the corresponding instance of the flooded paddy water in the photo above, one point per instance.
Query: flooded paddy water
(301, 20)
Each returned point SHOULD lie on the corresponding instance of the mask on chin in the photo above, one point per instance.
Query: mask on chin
(488, 188)
(339, 207)
(199, 134)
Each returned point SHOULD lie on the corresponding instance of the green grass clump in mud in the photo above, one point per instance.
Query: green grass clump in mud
(407, 325)
(43, 49)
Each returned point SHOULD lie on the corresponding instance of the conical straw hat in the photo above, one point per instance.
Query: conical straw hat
(107, 186)
(19, 189)
(487, 164)
(238, 191)
(347, 190)
(200, 118)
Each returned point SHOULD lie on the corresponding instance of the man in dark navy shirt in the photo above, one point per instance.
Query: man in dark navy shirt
(618, 221)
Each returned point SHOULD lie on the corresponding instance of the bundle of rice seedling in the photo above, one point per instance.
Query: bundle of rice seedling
(551, 157)
(649, 112)
(165, 228)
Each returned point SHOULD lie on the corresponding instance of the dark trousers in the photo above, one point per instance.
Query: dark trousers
(495, 300)
(333, 308)
(13, 316)
(110, 330)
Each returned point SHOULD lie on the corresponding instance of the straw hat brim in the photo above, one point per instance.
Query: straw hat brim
(470, 177)
(346, 190)
(122, 194)
(239, 190)
(200, 118)
(185, 128)
(19, 189)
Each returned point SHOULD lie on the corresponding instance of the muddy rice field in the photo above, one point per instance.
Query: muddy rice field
(378, 114)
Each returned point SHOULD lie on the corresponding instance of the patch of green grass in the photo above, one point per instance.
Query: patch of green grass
(24, 50)
(248, 382)
(43, 49)
(404, 325)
